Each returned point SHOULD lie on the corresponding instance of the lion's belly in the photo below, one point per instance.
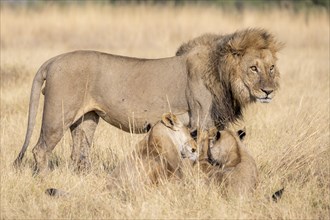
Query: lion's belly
(138, 119)
(140, 96)
(135, 113)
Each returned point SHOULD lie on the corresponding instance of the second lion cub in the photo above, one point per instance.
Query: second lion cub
(225, 160)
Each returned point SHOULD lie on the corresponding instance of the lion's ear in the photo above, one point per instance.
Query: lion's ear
(171, 121)
(193, 134)
(241, 134)
(218, 136)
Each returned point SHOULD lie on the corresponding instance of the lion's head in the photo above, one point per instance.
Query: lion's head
(237, 69)
(248, 63)
(224, 148)
(232, 165)
(169, 134)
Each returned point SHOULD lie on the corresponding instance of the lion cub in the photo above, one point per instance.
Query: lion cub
(157, 157)
(226, 161)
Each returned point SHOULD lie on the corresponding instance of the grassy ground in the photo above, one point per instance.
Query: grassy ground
(289, 138)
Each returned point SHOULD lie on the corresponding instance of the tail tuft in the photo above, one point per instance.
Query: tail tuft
(277, 195)
(55, 192)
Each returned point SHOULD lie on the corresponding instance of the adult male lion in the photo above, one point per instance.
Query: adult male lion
(211, 80)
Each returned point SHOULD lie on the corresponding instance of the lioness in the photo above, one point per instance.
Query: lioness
(210, 80)
(158, 156)
(226, 161)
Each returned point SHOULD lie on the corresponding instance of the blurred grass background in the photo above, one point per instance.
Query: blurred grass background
(237, 4)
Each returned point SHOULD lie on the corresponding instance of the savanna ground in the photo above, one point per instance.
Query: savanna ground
(289, 138)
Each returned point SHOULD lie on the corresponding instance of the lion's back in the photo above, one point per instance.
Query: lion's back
(204, 42)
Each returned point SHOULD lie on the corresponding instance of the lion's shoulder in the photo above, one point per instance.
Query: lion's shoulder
(204, 42)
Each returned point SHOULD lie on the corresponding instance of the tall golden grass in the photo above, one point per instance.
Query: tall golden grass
(289, 138)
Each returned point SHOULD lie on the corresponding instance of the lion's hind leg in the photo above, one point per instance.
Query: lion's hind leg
(52, 131)
(82, 133)
(47, 141)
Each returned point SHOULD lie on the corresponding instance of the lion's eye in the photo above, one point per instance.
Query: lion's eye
(193, 150)
(254, 68)
(271, 68)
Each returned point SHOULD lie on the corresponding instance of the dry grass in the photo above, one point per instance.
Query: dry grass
(289, 137)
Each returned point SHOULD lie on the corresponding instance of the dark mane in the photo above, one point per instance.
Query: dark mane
(218, 53)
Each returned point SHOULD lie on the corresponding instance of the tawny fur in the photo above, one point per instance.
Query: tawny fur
(209, 83)
(223, 62)
(158, 157)
(227, 162)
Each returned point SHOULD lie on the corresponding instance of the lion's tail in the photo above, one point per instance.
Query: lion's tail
(56, 192)
(38, 81)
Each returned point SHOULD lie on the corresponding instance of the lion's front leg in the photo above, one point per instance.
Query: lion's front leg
(199, 101)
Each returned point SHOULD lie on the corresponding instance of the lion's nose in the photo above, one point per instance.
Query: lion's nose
(267, 91)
